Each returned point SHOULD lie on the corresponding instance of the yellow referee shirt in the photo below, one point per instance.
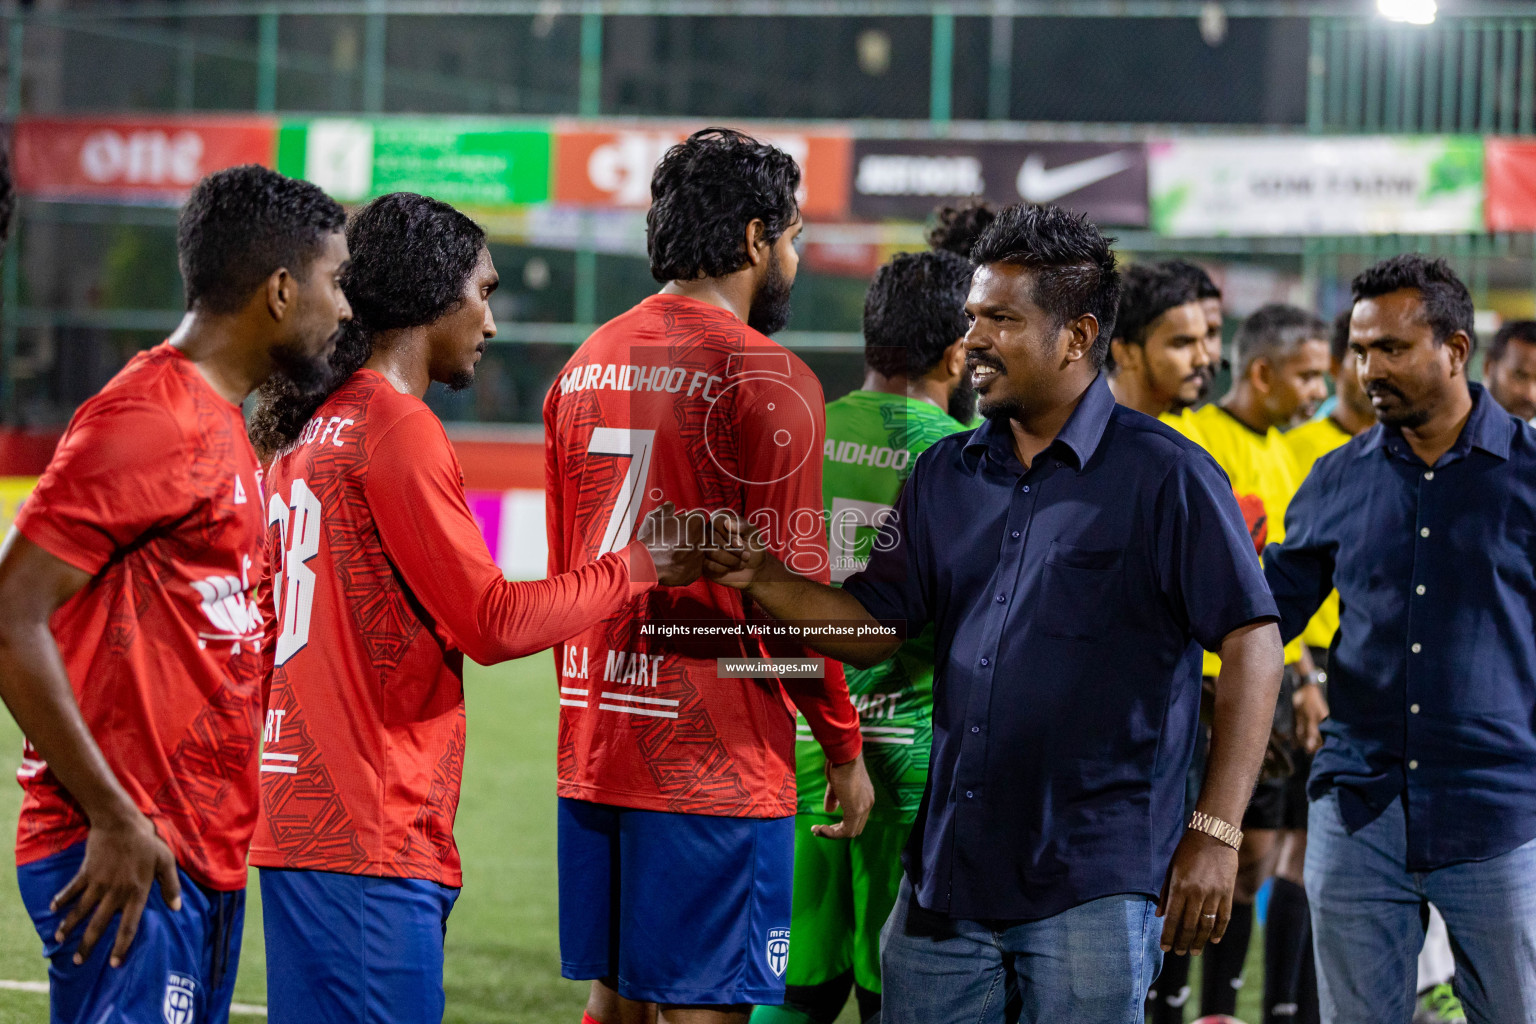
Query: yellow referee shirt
(1264, 476)
(1310, 442)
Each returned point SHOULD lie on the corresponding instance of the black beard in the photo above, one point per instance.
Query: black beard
(770, 306)
(460, 381)
(962, 401)
(306, 373)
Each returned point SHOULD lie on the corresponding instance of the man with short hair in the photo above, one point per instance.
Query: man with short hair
(385, 586)
(1209, 296)
(677, 783)
(1073, 556)
(130, 640)
(1425, 787)
(915, 393)
(1159, 361)
(1509, 369)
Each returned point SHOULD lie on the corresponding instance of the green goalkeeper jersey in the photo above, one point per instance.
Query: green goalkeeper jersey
(872, 441)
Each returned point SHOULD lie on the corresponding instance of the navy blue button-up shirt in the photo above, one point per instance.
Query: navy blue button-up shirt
(1432, 677)
(1071, 601)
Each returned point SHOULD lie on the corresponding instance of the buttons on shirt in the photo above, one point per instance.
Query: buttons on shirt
(1416, 648)
(970, 796)
(1424, 532)
(977, 728)
(1001, 598)
(1414, 708)
(1015, 534)
(1412, 766)
(1025, 488)
(984, 660)
(1429, 474)
(1419, 590)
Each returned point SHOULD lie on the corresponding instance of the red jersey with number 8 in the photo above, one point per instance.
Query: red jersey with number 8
(384, 583)
(678, 400)
(155, 491)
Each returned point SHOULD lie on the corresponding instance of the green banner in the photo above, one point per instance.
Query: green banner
(467, 163)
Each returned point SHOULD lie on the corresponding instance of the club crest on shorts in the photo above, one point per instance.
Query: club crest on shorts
(178, 1006)
(778, 950)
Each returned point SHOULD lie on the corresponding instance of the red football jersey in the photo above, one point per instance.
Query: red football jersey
(383, 583)
(678, 400)
(155, 491)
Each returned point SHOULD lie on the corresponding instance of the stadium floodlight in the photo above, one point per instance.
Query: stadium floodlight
(1415, 12)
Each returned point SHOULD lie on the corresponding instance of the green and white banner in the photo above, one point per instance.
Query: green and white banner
(1316, 185)
(464, 162)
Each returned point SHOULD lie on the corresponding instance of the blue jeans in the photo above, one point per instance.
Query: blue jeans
(1368, 914)
(1092, 964)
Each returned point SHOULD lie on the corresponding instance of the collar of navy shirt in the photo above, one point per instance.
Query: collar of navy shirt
(1488, 428)
(1079, 437)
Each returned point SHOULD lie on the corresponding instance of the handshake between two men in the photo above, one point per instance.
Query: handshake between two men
(724, 548)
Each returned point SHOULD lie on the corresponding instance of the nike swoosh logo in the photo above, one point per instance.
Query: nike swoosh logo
(1039, 185)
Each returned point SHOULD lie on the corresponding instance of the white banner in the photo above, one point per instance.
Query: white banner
(1316, 185)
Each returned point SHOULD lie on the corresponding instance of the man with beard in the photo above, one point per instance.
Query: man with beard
(1509, 369)
(1424, 789)
(915, 393)
(677, 783)
(385, 586)
(1073, 556)
(130, 642)
(1160, 361)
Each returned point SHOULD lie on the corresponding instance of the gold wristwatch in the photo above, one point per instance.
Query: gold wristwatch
(1213, 826)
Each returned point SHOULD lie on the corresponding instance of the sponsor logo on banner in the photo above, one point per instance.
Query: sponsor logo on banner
(1310, 185)
(906, 179)
(1510, 166)
(134, 158)
(613, 167)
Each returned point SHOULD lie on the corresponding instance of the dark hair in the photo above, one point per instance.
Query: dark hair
(242, 224)
(1204, 287)
(1515, 330)
(411, 257)
(1274, 332)
(1446, 301)
(705, 192)
(1073, 264)
(914, 310)
(1338, 342)
(956, 228)
(1146, 293)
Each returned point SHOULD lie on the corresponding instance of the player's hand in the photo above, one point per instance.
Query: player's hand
(1311, 708)
(676, 543)
(848, 787)
(1196, 902)
(737, 553)
(122, 861)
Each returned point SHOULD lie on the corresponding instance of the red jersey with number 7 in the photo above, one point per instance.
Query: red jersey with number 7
(156, 493)
(678, 400)
(383, 584)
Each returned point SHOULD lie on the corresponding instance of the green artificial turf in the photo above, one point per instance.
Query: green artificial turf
(503, 962)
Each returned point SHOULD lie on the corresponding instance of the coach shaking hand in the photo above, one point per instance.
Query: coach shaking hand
(1075, 556)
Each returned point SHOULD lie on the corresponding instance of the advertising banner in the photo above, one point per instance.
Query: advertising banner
(905, 179)
(599, 166)
(1510, 168)
(468, 163)
(1317, 185)
(128, 159)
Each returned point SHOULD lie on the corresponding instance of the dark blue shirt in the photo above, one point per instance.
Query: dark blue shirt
(1071, 601)
(1432, 676)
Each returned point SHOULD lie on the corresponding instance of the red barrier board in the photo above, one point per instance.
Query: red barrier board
(613, 166)
(134, 158)
(1509, 174)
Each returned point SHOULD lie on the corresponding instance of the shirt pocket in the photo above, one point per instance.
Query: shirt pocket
(1079, 590)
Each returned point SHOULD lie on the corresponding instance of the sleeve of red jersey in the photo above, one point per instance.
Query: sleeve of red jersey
(554, 488)
(788, 512)
(120, 471)
(417, 500)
